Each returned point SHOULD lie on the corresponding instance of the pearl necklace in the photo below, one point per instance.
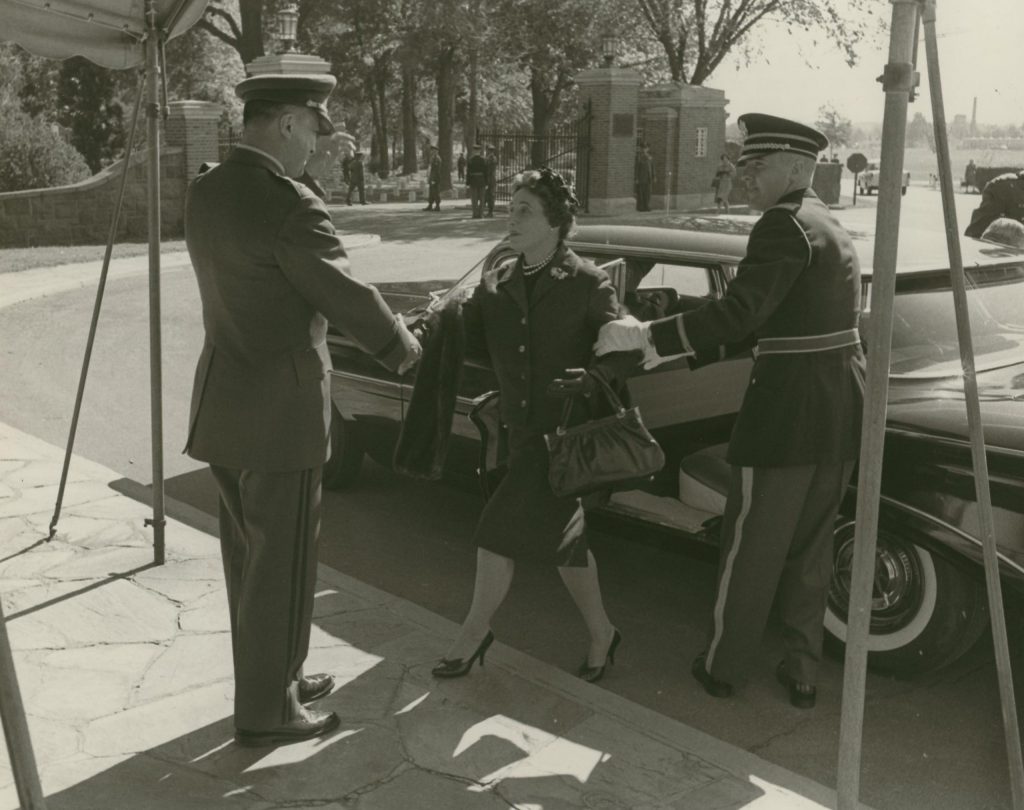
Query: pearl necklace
(530, 269)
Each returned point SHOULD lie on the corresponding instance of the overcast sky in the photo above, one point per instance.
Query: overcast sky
(981, 53)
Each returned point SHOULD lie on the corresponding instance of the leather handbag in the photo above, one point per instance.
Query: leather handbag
(613, 452)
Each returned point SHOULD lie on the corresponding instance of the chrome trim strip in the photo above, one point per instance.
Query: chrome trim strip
(939, 522)
(947, 441)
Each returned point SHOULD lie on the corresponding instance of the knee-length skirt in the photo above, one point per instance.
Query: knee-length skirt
(524, 519)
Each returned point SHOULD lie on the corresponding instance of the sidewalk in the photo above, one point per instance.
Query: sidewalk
(125, 671)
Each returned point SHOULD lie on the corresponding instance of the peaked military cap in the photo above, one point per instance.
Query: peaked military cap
(769, 134)
(301, 89)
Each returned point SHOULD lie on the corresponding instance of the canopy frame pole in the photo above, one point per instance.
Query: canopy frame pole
(97, 305)
(986, 520)
(158, 521)
(898, 83)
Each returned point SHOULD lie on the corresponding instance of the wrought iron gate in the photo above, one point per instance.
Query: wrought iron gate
(565, 149)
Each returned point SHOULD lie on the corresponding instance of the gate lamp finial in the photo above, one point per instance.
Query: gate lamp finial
(287, 28)
(609, 48)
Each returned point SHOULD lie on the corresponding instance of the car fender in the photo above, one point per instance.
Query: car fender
(960, 548)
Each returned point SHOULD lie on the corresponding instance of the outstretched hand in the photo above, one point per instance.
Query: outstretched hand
(576, 381)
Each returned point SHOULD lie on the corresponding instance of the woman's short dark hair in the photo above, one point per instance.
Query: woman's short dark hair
(556, 197)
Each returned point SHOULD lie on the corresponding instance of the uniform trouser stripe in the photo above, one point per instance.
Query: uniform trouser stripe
(776, 547)
(269, 524)
(746, 490)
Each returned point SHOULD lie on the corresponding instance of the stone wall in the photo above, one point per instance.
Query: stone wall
(80, 214)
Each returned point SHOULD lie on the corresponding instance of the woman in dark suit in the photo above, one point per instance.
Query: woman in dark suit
(535, 319)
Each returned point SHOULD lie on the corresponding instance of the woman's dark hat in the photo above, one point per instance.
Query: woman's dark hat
(769, 134)
(556, 183)
(301, 89)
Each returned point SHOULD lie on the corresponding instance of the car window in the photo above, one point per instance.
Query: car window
(684, 279)
(924, 336)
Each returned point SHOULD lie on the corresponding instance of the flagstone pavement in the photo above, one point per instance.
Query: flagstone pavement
(125, 671)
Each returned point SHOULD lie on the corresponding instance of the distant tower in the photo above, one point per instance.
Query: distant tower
(974, 117)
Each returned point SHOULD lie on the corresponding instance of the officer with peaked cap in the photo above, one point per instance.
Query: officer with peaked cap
(796, 297)
(272, 272)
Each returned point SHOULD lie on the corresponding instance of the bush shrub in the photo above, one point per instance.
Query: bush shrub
(34, 155)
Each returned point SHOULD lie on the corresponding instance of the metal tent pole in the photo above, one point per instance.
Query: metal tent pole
(898, 83)
(97, 304)
(158, 521)
(981, 479)
(19, 743)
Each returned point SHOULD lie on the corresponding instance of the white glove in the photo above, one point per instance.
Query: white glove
(624, 335)
(629, 335)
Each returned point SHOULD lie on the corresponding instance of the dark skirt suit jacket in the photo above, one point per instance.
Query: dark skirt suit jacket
(271, 272)
(530, 340)
(800, 277)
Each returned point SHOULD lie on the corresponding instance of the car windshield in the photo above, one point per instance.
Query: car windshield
(924, 336)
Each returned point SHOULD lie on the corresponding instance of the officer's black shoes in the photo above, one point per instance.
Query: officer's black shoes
(306, 726)
(713, 686)
(802, 695)
(314, 687)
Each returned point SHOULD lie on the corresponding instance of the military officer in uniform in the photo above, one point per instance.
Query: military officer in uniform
(271, 272)
(796, 437)
(1003, 196)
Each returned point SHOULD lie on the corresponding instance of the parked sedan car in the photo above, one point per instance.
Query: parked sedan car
(929, 598)
(867, 180)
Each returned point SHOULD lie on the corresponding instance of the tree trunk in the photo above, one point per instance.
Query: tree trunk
(251, 43)
(474, 77)
(445, 111)
(380, 85)
(375, 115)
(410, 126)
(545, 105)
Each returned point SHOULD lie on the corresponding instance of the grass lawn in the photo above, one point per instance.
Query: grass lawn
(14, 260)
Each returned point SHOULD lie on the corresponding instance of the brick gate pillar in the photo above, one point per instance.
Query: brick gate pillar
(192, 125)
(685, 151)
(613, 93)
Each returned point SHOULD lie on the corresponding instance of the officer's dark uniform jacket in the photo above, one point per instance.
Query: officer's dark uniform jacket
(476, 172)
(800, 277)
(531, 342)
(1003, 196)
(271, 272)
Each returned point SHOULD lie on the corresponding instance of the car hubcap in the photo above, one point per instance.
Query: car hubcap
(898, 584)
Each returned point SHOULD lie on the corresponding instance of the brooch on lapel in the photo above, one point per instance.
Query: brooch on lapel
(557, 273)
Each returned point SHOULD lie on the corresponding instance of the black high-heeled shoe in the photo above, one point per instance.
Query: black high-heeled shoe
(457, 667)
(594, 674)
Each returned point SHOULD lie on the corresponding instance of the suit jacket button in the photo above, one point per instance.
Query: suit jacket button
(523, 321)
(522, 349)
(523, 403)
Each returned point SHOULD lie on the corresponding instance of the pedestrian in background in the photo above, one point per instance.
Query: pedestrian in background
(476, 179)
(461, 166)
(356, 179)
(722, 183)
(534, 319)
(434, 181)
(492, 180)
(271, 273)
(644, 174)
(796, 437)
